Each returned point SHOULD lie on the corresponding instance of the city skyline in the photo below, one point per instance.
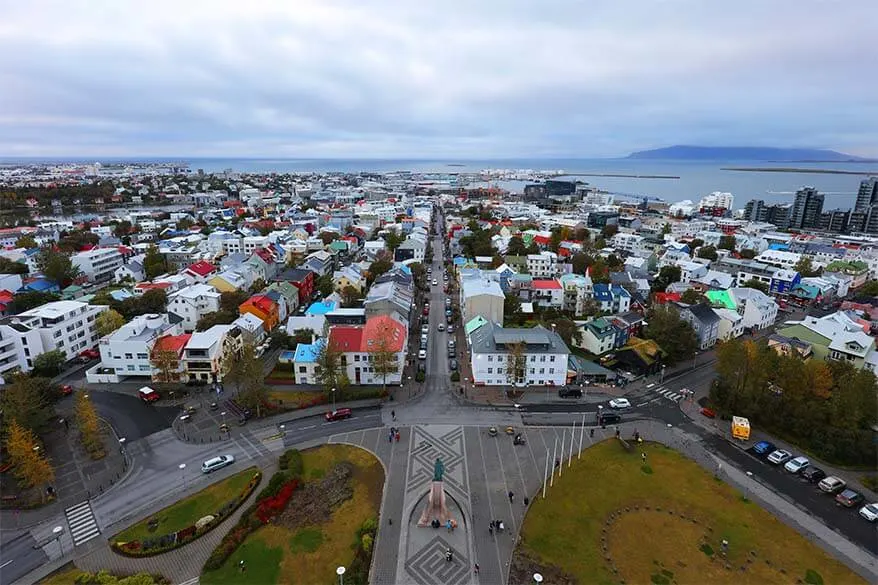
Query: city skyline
(431, 80)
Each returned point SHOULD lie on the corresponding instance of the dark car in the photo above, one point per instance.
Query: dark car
(451, 352)
(849, 498)
(813, 474)
(452, 365)
(338, 414)
(609, 418)
(763, 448)
(570, 392)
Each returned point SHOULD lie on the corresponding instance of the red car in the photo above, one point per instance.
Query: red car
(66, 390)
(148, 395)
(91, 354)
(339, 414)
(708, 412)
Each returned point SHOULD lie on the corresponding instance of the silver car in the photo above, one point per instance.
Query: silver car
(215, 463)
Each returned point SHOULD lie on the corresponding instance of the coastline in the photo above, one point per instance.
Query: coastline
(799, 170)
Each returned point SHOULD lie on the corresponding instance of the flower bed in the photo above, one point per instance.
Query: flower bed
(160, 544)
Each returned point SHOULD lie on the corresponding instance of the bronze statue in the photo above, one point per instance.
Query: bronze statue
(438, 470)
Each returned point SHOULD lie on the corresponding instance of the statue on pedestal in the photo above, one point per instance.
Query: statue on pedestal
(436, 513)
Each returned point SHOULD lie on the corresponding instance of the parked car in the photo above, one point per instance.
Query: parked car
(797, 465)
(441, 327)
(763, 448)
(148, 395)
(91, 354)
(779, 456)
(569, 392)
(426, 310)
(423, 345)
(422, 354)
(451, 343)
(609, 418)
(831, 484)
(813, 474)
(849, 498)
(708, 412)
(620, 403)
(66, 390)
(452, 353)
(215, 463)
(338, 414)
(450, 328)
(425, 328)
(870, 512)
(452, 365)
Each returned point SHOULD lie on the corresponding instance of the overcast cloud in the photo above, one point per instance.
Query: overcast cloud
(433, 78)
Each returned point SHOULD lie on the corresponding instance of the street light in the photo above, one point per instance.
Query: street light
(333, 399)
(58, 531)
(223, 414)
(662, 380)
(122, 445)
(538, 578)
(340, 572)
(182, 467)
(283, 430)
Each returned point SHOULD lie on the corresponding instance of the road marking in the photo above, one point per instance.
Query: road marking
(82, 523)
(642, 404)
(4, 564)
(311, 427)
(648, 386)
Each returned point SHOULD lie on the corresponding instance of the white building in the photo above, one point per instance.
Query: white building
(542, 265)
(779, 258)
(207, 351)
(99, 264)
(19, 345)
(757, 308)
(127, 350)
(491, 355)
(192, 303)
(626, 242)
(717, 199)
(731, 324)
(64, 325)
(481, 297)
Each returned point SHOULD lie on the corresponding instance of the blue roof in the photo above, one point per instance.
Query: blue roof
(321, 308)
(121, 294)
(405, 269)
(620, 290)
(602, 292)
(41, 285)
(778, 246)
(459, 261)
(307, 352)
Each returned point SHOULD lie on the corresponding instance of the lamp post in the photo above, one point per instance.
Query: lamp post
(57, 532)
(182, 468)
(662, 379)
(333, 399)
(283, 430)
(340, 572)
(122, 445)
(538, 578)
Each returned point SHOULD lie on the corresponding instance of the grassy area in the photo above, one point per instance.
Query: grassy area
(188, 511)
(295, 400)
(564, 531)
(66, 575)
(311, 553)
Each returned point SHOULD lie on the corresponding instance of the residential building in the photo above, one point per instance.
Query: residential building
(359, 343)
(175, 344)
(304, 362)
(132, 270)
(201, 271)
(612, 298)
(192, 303)
(67, 326)
(264, 307)
(349, 276)
(731, 324)
(757, 309)
(779, 258)
(548, 293)
(302, 279)
(835, 337)
(388, 298)
(492, 351)
(578, 292)
(542, 265)
(867, 195)
(481, 297)
(20, 344)
(128, 350)
(98, 264)
(597, 336)
(807, 208)
(206, 352)
(704, 321)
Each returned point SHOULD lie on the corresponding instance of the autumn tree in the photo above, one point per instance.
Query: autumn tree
(691, 297)
(806, 268)
(708, 252)
(50, 363)
(26, 241)
(167, 365)
(154, 263)
(516, 364)
(243, 370)
(329, 369)
(28, 458)
(674, 335)
(350, 297)
(757, 284)
(569, 332)
(383, 359)
(383, 263)
(89, 426)
(108, 321)
(24, 399)
(57, 266)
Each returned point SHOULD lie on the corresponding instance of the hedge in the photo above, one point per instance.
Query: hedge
(167, 542)
(291, 462)
(358, 572)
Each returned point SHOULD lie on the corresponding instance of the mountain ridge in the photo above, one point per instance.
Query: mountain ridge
(745, 153)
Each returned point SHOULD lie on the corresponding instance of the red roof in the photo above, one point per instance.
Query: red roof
(662, 298)
(145, 286)
(264, 254)
(383, 327)
(542, 240)
(202, 268)
(546, 285)
(174, 343)
(261, 302)
(6, 296)
(345, 338)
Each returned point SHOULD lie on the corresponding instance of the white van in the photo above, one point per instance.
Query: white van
(215, 463)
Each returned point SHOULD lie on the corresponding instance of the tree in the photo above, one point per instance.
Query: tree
(325, 285)
(516, 364)
(511, 306)
(666, 229)
(600, 272)
(757, 284)
(568, 331)
(108, 321)
(243, 370)
(75, 241)
(28, 458)
(8, 266)
(870, 288)
(89, 426)
(666, 276)
(708, 252)
(122, 229)
(579, 262)
(154, 263)
(350, 297)
(24, 399)
(516, 246)
(727, 243)
(167, 364)
(329, 370)
(675, 336)
(806, 268)
(383, 263)
(419, 273)
(183, 224)
(222, 317)
(231, 300)
(384, 360)
(57, 267)
(393, 240)
(26, 241)
(694, 245)
(50, 363)
(691, 297)
(29, 300)
(609, 230)
(258, 286)
(747, 253)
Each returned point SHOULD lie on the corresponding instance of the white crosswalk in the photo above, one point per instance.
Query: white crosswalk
(82, 522)
(664, 392)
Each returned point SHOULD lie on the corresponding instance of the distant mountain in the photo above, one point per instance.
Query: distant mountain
(749, 153)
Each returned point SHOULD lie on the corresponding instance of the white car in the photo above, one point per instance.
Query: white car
(779, 456)
(425, 328)
(797, 465)
(870, 512)
(215, 463)
(422, 354)
(435, 282)
(620, 403)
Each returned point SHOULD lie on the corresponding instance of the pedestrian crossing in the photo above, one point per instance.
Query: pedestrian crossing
(82, 523)
(665, 392)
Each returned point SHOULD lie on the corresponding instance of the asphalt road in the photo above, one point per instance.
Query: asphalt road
(18, 557)
(131, 417)
(316, 427)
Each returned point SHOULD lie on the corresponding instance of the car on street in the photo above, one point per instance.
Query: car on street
(425, 328)
(338, 414)
(763, 448)
(215, 463)
(451, 343)
(708, 412)
(452, 365)
(569, 392)
(148, 395)
(448, 302)
(435, 282)
(849, 498)
(450, 328)
(441, 327)
(620, 403)
(870, 512)
(609, 418)
(813, 474)
(422, 354)
(423, 345)
(91, 354)
(452, 353)
(779, 456)
(426, 310)
(797, 464)
(66, 390)
(831, 485)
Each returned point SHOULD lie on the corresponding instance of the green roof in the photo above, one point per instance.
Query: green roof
(721, 297)
(474, 324)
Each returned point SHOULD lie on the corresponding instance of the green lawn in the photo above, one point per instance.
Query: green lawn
(564, 531)
(188, 511)
(261, 561)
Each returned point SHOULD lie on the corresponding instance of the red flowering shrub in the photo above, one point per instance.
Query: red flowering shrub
(271, 507)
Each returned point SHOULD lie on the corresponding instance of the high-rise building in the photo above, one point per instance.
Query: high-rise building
(806, 208)
(835, 220)
(867, 194)
(778, 214)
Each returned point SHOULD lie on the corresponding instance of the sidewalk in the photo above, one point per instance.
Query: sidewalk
(723, 428)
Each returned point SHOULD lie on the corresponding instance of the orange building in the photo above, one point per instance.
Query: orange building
(263, 307)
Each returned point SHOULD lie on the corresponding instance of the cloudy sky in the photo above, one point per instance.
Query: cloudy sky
(433, 78)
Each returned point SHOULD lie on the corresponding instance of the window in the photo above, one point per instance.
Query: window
(129, 356)
(499, 370)
(26, 351)
(144, 368)
(542, 358)
(356, 358)
(142, 356)
(533, 358)
(542, 370)
(499, 358)
(551, 358)
(130, 368)
(302, 369)
(531, 370)
(490, 370)
(551, 370)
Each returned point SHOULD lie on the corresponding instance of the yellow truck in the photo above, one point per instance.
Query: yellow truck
(740, 428)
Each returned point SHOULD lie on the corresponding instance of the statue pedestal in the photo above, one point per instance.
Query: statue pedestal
(436, 508)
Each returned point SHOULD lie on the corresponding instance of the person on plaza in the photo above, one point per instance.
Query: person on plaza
(491, 528)
(448, 555)
(643, 457)
(397, 435)
(526, 501)
(476, 568)
(393, 414)
(511, 497)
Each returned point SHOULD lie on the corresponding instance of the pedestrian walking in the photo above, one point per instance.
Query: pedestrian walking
(448, 525)
(591, 433)
(393, 414)
(397, 436)
(242, 566)
(511, 497)
(526, 501)
(390, 438)
(617, 432)
(476, 569)
(491, 529)
(448, 555)
(643, 457)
